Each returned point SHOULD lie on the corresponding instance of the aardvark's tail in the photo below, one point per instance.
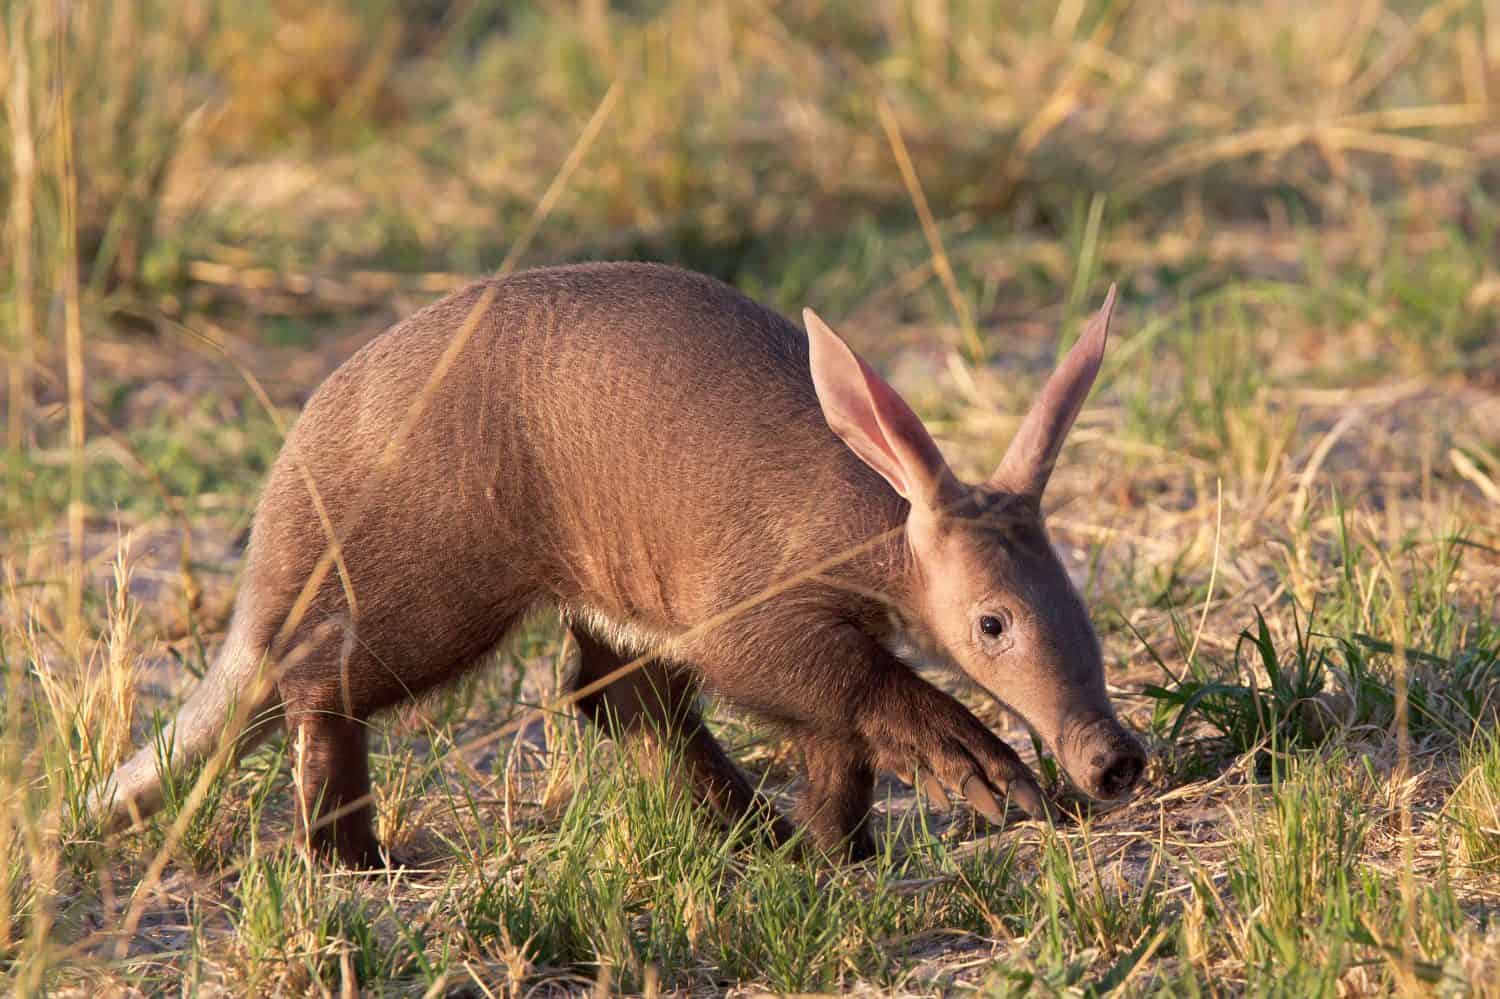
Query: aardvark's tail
(234, 694)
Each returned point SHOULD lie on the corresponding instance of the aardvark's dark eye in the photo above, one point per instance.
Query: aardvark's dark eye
(991, 626)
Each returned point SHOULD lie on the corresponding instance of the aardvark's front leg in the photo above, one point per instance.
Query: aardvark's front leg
(856, 708)
(908, 722)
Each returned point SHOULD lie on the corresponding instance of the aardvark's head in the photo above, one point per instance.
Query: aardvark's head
(991, 595)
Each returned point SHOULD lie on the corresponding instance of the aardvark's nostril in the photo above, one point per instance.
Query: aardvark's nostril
(1120, 775)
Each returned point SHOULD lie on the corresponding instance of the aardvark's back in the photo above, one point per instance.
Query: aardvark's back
(634, 439)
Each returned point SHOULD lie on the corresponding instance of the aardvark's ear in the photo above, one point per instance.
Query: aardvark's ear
(1033, 451)
(870, 417)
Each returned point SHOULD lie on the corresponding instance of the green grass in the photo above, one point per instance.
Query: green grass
(1283, 491)
(1475, 803)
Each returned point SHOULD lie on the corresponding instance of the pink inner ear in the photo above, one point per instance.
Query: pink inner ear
(871, 417)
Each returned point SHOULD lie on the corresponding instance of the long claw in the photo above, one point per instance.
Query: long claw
(978, 794)
(1032, 801)
(935, 793)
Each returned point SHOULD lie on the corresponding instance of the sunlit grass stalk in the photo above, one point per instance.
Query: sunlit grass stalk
(1403, 964)
(973, 345)
(11, 816)
(23, 166)
(89, 710)
(67, 265)
(32, 857)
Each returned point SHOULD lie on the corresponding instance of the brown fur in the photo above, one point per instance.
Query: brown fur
(642, 448)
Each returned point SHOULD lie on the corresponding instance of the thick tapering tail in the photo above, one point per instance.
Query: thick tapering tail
(235, 706)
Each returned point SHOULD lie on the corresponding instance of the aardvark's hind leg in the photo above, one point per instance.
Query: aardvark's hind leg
(653, 703)
(835, 804)
(335, 811)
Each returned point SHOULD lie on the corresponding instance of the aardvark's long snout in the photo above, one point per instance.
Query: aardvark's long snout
(1101, 756)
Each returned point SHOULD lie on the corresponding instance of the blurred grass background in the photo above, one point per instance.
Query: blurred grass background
(208, 205)
(221, 152)
(266, 175)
